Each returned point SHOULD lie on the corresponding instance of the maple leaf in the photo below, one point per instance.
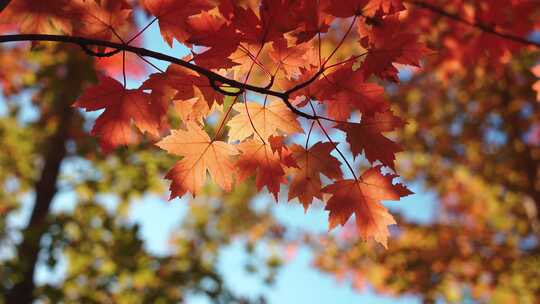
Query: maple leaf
(258, 159)
(246, 23)
(248, 60)
(161, 91)
(277, 144)
(173, 15)
(306, 181)
(183, 81)
(307, 93)
(121, 106)
(389, 43)
(313, 20)
(100, 20)
(363, 198)
(345, 90)
(219, 36)
(279, 17)
(367, 136)
(292, 59)
(210, 30)
(194, 109)
(384, 6)
(274, 18)
(536, 86)
(346, 9)
(200, 154)
(265, 119)
(39, 17)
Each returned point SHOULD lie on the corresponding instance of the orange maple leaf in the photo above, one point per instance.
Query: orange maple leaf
(39, 17)
(201, 154)
(194, 109)
(306, 181)
(363, 198)
(536, 86)
(266, 120)
(100, 20)
(258, 158)
(291, 59)
(121, 106)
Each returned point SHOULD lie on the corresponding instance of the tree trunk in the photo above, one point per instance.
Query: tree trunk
(45, 189)
(65, 89)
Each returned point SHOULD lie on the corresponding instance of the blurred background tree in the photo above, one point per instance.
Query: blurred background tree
(473, 140)
(46, 154)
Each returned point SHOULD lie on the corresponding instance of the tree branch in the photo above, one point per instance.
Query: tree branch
(477, 24)
(212, 77)
(86, 42)
(3, 4)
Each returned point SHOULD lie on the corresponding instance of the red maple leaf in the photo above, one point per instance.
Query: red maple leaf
(363, 198)
(122, 107)
(346, 9)
(367, 136)
(345, 90)
(257, 158)
(219, 36)
(311, 163)
(388, 43)
(173, 15)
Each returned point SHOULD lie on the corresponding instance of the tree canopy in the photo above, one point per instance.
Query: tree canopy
(315, 98)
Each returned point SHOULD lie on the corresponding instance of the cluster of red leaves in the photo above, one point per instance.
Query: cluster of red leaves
(464, 45)
(279, 45)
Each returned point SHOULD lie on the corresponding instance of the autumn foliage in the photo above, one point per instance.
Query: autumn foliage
(283, 66)
(316, 98)
(292, 53)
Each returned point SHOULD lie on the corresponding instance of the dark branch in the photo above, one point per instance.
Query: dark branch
(3, 4)
(477, 24)
(93, 53)
(213, 77)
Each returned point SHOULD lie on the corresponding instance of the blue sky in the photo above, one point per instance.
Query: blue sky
(297, 282)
